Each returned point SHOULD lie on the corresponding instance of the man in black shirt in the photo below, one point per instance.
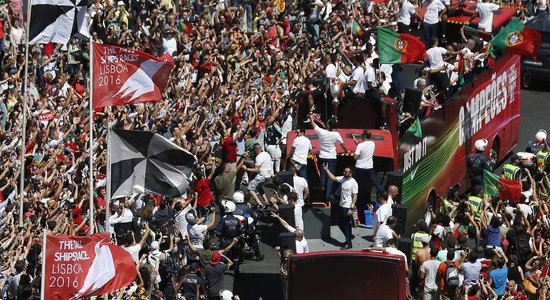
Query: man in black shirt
(214, 273)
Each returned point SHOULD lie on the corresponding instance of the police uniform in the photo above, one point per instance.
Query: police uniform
(417, 242)
(229, 228)
(244, 210)
(477, 204)
(542, 158)
(477, 162)
(511, 172)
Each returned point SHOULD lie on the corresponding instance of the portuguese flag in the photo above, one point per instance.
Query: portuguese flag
(395, 48)
(517, 39)
(500, 187)
(416, 128)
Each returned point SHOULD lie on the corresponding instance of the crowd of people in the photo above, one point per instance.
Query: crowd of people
(246, 74)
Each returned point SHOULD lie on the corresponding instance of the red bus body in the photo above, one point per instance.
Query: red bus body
(346, 275)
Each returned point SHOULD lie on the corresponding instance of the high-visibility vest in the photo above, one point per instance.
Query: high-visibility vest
(477, 203)
(447, 206)
(417, 242)
(541, 159)
(510, 171)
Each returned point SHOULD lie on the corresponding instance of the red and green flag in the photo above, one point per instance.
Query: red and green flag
(416, 128)
(500, 187)
(356, 29)
(518, 39)
(395, 48)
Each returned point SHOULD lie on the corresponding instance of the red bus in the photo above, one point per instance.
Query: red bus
(346, 275)
(488, 107)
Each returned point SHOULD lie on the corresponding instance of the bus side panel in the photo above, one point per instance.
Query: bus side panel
(341, 275)
(485, 108)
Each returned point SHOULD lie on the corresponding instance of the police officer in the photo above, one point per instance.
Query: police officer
(229, 228)
(512, 171)
(477, 162)
(417, 237)
(191, 282)
(242, 209)
(539, 144)
(476, 202)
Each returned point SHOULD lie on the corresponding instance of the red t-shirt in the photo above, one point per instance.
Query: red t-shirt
(202, 188)
(229, 150)
(77, 215)
(100, 201)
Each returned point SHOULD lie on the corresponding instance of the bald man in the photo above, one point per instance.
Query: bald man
(392, 192)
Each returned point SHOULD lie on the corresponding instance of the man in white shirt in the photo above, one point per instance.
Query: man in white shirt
(263, 167)
(406, 11)
(428, 272)
(356, 83)
(434, 11)
(385, 232)
(383, 212)
(393, 191)
(348, 198)
(327, 153)
(300, 186)
(438, 69)
(485, 11)
(301, 242)
(131, 246)
(299, 152)
(391, 249)
(364, 164)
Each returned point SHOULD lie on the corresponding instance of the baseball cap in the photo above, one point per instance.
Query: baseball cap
(216, 257)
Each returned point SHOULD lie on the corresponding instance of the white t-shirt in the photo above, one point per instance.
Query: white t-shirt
(405, 13)
(369, 76)
(169, 45)
(382, 236)
(435, 56)
(263, 159)
(358, 75)
(433, 8)
(196, 235)
(485, 11)
(330, 71)
(365, 151)
(134, 251)
(327, 142)
(396, 251)
(302, 146)
(383, 213)
(429, 268)
(301, 246)
(300, 184)
(179, 218)
(348, 187)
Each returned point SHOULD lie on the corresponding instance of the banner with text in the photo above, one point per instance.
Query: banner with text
(83, 266)
(123, 76)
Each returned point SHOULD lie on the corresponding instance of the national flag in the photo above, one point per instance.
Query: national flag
(83, 266)
(461, 69)
(500, 187)
(395, 48)
(145, 162)
(123, 76)
(57, 21)
(356, 29)
(416, 128)
(518, 39)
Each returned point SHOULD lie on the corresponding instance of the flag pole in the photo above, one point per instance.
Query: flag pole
(43, 278)
(24, 113)
(91, 124)
(108, 187)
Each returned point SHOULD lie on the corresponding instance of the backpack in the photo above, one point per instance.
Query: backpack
(451, 276)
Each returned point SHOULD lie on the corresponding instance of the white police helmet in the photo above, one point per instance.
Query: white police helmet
(541, 135)
(228, 206)
(481, 144)
(238, 197)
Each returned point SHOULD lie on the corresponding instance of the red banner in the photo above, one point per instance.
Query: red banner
(124, 76)
(83, 266)
(47, 116)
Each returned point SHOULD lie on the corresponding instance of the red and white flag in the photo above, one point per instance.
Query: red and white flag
(83, 266)
(124, 76)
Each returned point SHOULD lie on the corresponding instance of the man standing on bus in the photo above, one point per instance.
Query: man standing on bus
(477, 162)
(364, 164)
(348, 197)
(327, 153)
(438, 69)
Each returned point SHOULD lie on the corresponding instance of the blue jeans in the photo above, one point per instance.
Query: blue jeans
(303, 172)
(313, 29)
(430, 31)
(370, 174)
(248, 20)
(4, 110)
(344, 223)
(326, 182)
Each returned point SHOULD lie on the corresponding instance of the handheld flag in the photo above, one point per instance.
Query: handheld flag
(57, 21)
(501, 187)
(124, 76)
(83, 266)
(518, 39)
(416, 128)
(143, 161)
(395, 48)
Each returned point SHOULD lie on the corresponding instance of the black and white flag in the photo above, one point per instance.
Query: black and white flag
(57, 21)
(145, 162)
